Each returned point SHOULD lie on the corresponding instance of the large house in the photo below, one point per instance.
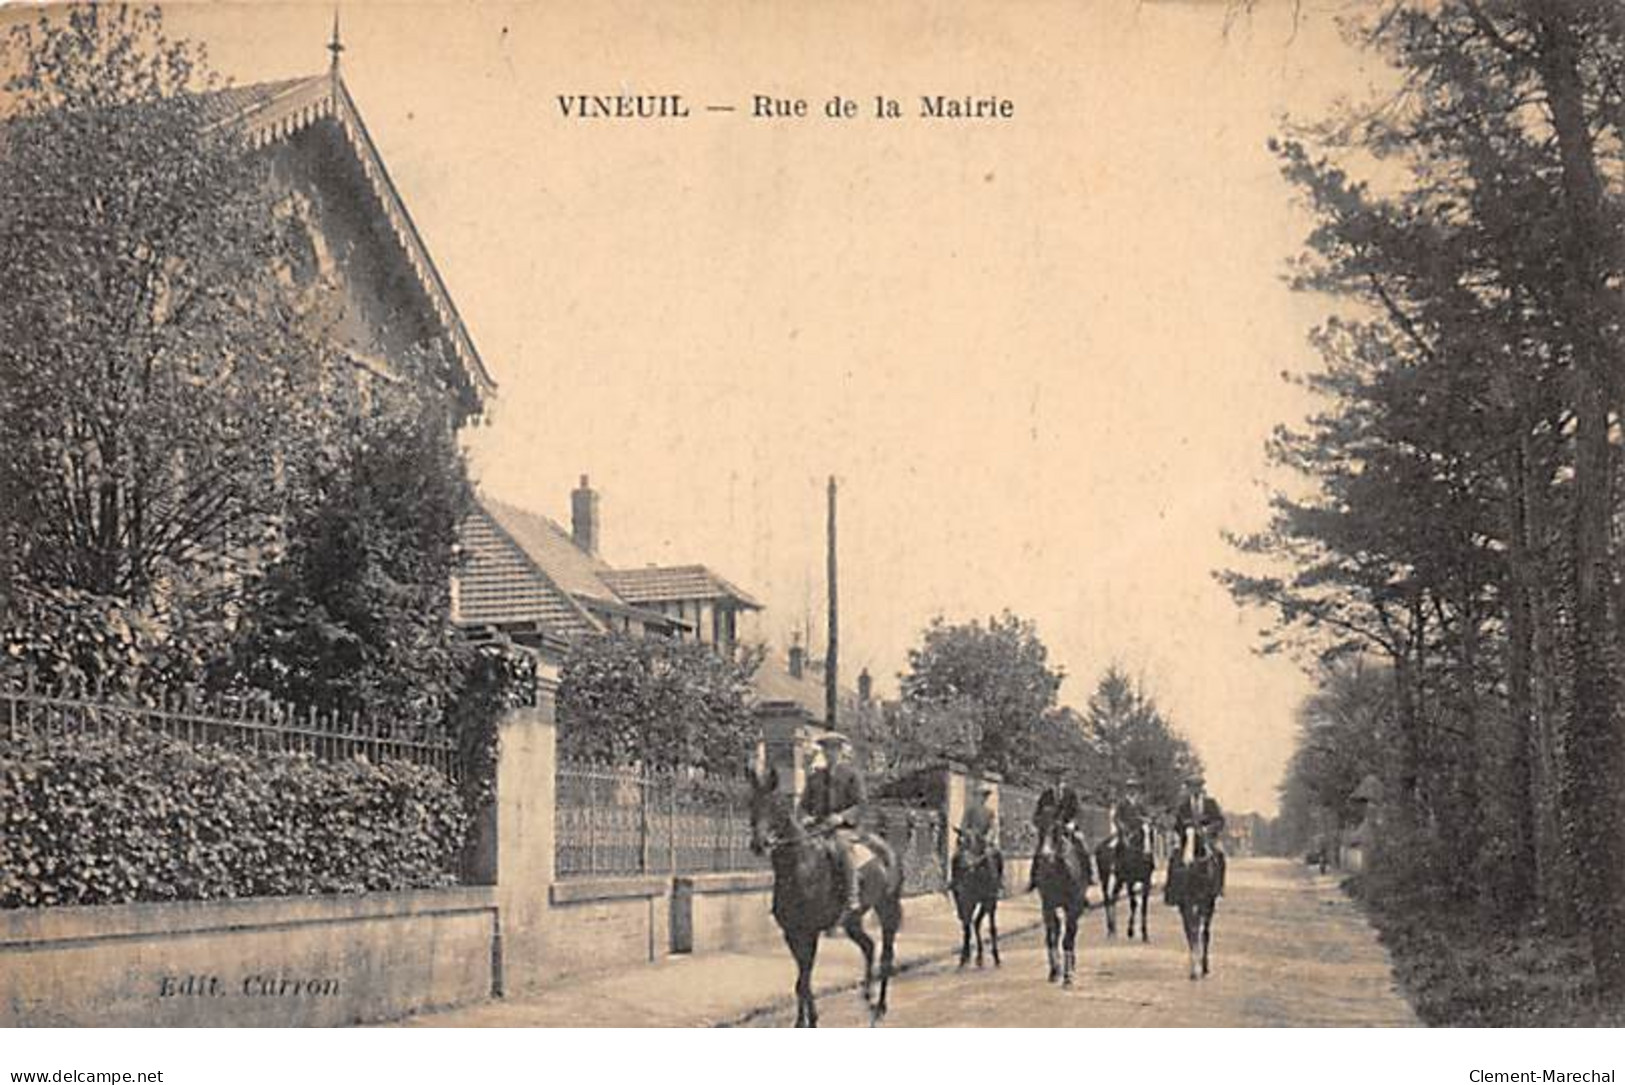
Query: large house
(529, 578)
(393, 302)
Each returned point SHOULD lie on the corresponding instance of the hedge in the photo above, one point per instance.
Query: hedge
(110, 820)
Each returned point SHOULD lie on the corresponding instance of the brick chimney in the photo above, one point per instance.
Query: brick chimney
(798, 660)
(866, 686)
(584, 526)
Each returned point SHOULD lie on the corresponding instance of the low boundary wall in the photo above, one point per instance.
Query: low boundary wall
(331, 960)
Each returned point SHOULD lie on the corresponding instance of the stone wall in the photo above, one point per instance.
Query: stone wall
(334, 960)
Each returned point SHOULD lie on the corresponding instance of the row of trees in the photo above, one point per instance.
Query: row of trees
(1464, 502)
(986, 694)
(981, 693)
(198, 487)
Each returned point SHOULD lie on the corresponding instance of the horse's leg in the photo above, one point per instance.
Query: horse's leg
(1069, 946)
(890, 913)
(1207, 934)
(964, 926)
(1108, 895)
(805, 948)
(1190, 917)
(993, 925)
(854, 930)
(1052, 938)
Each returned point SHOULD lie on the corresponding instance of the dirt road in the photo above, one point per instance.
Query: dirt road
(1289, 949)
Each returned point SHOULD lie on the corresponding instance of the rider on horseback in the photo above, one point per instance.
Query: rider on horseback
(833, 803)
(1058, 808)
(978, 828)
(1129, 818)
(1198, 823)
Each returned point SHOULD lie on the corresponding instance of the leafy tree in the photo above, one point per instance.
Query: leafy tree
(356, 616)
(898, 737)
(1062, 751)
(1464, 500)
(1342, 733)
(1129, 736)
(164, 393)
(657, 701)
(196, 484)
(999, 674)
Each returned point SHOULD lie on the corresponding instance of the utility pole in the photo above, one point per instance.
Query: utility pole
(831, 658)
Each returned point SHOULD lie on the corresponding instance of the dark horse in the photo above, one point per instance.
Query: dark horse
(978, 877)
(1196, 892)
(1061, 872)
(1124, 862)
(809, 897)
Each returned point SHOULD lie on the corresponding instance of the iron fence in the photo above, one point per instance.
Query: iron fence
(613, 820)
(36, 717)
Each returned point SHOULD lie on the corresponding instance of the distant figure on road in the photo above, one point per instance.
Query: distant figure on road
(834, 803)
(1198, 823)
(977, 873)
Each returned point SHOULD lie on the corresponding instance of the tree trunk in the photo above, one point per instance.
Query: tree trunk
(1522, 855)
(1531, 626)
(1592, 747)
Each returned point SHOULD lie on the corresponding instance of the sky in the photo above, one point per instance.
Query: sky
(1041, 355)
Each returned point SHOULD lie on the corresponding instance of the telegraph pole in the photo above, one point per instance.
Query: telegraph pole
(832, 656)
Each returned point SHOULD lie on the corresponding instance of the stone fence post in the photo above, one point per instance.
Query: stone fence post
(527, 763)
(785, 726)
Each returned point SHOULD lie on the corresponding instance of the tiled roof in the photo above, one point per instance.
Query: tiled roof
(774, 682)
(523, 567)
(553, 550)
(501, 585)
(669, 584)
(239, 104)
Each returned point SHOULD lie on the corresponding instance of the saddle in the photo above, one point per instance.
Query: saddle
(853, 841)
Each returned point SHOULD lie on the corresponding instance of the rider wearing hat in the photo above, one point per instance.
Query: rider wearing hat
(833, 803)
(979, 821)
(1058, 805)
(1198, 823)
(1129, 816)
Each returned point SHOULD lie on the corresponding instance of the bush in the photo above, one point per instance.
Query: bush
(102, 820)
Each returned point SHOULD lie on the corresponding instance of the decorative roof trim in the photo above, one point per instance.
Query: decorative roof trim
(406, 231)
(296, 108)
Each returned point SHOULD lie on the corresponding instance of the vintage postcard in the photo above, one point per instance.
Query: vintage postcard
(1097, 514)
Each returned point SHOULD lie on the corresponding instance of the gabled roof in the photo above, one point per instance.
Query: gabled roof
(670, 584)
(270, 112)
(553, 551)
(503, 586)
(524, 568)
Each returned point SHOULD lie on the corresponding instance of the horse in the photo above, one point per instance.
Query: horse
(1196, 892)
(1061, 872)
(809, 897)
(976, 881)
(1124, 862)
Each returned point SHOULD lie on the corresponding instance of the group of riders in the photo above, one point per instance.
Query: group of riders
(834, 800)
